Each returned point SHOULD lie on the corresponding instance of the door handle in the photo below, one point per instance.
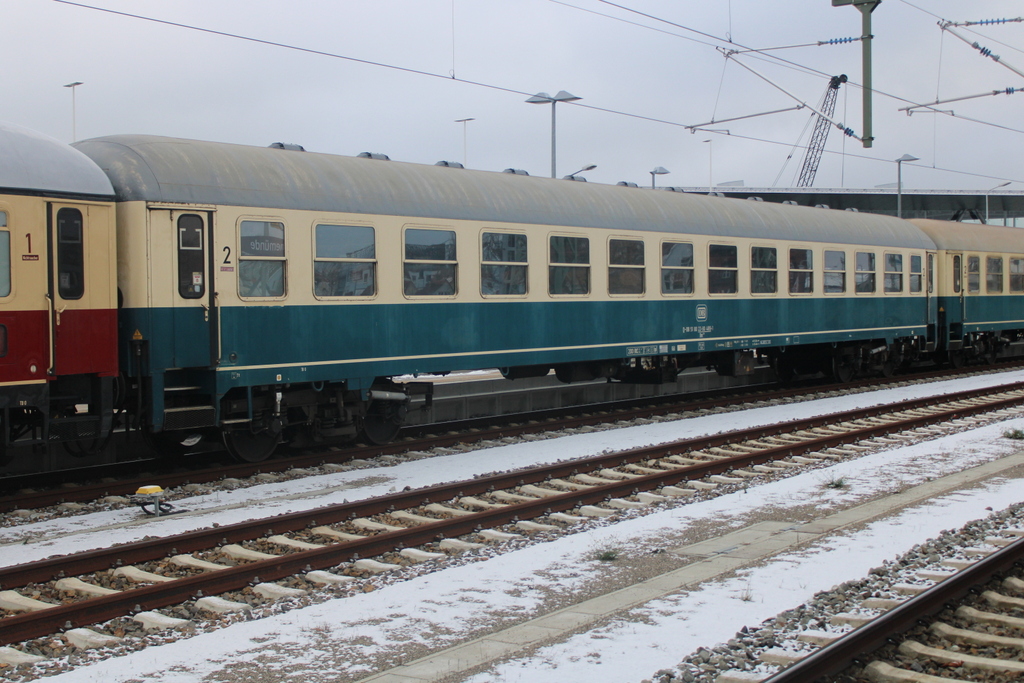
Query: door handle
(59, 311)
(206, 313)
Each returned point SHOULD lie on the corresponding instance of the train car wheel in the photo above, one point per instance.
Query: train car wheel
(843, 369)
(380, 428)
(245, 446)
(956, 359)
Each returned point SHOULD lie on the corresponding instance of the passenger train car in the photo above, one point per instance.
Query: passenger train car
(271, 295)
(58, 301)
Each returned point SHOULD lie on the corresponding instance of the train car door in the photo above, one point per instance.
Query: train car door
(956, 301)
(194, 307)
(931, 303)
(83, 312)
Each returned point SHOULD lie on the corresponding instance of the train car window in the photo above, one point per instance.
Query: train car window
(764, 277)
(70, 254)
(835, 272)
(191, 259)
(973, 274)
(344, 260)
(3, 219)
(864, 277)
(893, 273)
(261, 262)
(915, 273)
(626, 267)
(5, 259)
(722, 269)
(574, 276)
(994, 274)
(503, 269)
(956, 274)
(676, 268)
(931, 273)
(430, 263)
(801, 275)
(1017, 274)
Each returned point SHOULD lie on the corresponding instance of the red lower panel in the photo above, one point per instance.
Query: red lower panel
(86, 342)
(28, 346)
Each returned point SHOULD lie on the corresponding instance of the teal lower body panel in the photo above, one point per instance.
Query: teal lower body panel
(279, 344)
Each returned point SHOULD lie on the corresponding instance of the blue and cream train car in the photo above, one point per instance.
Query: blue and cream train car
(271, 293)
(981, 288)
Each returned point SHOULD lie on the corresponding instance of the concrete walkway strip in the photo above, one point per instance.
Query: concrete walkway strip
(712, 559)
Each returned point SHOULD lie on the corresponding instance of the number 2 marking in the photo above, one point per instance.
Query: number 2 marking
(227, 256)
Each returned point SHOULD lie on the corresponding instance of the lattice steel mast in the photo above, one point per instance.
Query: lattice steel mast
(821, 128)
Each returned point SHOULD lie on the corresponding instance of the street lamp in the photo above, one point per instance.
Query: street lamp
(899, 182)
(543, 98)
(465, 156)
(986, 198)
(711, 160)
(74, 130)
(658, 170)
(572, 176)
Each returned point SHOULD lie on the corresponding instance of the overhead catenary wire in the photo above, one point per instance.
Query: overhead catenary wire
(490, 86)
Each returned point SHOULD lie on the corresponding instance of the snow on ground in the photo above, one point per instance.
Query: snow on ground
(36, 541)
(343, 639)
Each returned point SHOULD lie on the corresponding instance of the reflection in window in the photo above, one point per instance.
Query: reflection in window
(994, 275)
(344, 261)
(503, 270)
(261, 259)
(916, 273)
(676, 268)
(722, 269)
(956, 274)
(973, 274)
(835, 272)
(893, 273)
(626, 267)
(1017, 275)
(70, 254)
(764, 277)
(574, 278)
(430, 263)
(864, 278)
(801, 277)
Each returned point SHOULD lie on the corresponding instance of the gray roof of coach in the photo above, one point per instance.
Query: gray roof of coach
(161, 169)
(33, 162)
(972, 236)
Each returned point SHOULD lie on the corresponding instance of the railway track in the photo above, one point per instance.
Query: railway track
(30, 492)
(327, 546)
(960, 621)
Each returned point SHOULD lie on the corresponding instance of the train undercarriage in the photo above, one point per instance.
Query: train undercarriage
(80, 415)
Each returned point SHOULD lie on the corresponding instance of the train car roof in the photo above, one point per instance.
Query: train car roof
(31, 162)
(160, 169)
(972, 236)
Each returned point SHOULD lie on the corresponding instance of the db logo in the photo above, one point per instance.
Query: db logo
(702, 313)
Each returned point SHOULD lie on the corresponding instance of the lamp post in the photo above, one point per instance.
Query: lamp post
(986, 198)
(74, 124)
(711, 161)
(658, 170)
(543, 98)
(588, 167)
(899, 182)
(465, 154)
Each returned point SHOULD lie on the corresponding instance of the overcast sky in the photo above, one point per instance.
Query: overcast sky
(144, 77)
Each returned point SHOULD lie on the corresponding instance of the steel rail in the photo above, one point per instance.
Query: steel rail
(92, 610)
(839, 655)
